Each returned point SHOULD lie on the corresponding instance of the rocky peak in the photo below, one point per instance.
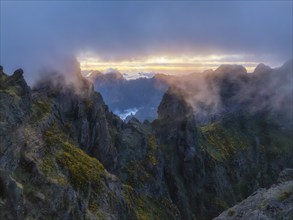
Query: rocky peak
(114, 73)
(1, 70)
(230, 69)
(273, 203)
(174, 106)
(3, 77)
(17, 78)
(286, 175)
(55, 161)
(15, 96)
(288, 64)
(261, 68)
(14, 82)
(92, 75)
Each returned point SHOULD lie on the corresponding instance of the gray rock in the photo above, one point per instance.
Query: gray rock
(271, 204)
(286, 175)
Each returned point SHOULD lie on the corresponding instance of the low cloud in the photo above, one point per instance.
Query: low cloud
(230, 87)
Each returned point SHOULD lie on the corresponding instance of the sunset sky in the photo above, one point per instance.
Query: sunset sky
(156, 36)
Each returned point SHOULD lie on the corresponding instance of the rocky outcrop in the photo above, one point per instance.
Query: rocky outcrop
(63, 155)
(15, 96)
(273, 203)
(262, 68)
(46, 167)
(173, 106)
(209, 167)
(285, 175)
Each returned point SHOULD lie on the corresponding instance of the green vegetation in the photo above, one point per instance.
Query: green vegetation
(280, 142)
(153, 146)
(231, 212)
(221, 143)
(285, 195)
(82, 168)
(10, 90)
(41, 108)
(140, 164)
(137, 176)
(84, 173)
(48, 166)
(149, 208)
(89, 103)
(274, 136)
(77, 165)
(221, 203)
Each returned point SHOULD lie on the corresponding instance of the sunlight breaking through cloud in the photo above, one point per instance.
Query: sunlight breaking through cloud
(181, 64)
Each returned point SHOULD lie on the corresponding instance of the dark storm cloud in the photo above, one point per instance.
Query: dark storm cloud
(36, 33)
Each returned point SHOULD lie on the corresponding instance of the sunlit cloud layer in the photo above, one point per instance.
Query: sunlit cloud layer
(159, 36)
(179, 64)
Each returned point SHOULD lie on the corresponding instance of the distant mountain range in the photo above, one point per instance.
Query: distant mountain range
(139, 97)
(209, 92)
(218, 139)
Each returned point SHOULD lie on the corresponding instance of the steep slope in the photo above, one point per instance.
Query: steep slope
(45, 174)
(210, 167)
(273, 203)
(139, 96)
(65, 156)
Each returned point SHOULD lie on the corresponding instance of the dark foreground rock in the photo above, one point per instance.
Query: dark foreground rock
(271, 204)
(64, 155)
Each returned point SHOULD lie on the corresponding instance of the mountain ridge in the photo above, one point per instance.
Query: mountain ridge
(68, 142)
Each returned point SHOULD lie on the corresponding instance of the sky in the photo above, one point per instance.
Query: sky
(143, 36)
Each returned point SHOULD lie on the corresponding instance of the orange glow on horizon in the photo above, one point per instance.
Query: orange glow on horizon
(165, 64)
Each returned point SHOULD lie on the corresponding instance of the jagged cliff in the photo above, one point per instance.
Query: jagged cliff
(55, 144)
(273, 203)
(65, 156)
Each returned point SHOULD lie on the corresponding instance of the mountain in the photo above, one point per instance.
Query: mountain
(273, 203)
(210, 167)
(56, 145)
(139, 97)
(210, 93)
(64, 155)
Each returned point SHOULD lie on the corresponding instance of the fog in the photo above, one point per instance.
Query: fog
(230, 88)
(37, 35)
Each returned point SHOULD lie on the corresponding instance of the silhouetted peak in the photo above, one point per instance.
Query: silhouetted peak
(113, 74)
(92, 75)
(18, 73)
(2, 74)
(17, 78)
(230, 69)
(163, 78)
(160, 76)
(173, 105)
(209, 71)
(287, 66)
(133, 121)
(261, 68)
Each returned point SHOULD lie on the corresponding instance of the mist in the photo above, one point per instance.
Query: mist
(65, 77)
(36, 35)
(231, 89)
(46, 38)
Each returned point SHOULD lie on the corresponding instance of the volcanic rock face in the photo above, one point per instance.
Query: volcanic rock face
(273, 203)
(63, 155)
(214, 165)
(15, 99)
(45, 174)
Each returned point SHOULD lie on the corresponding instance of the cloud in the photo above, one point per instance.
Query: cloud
(33, 33)
(231, 89)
